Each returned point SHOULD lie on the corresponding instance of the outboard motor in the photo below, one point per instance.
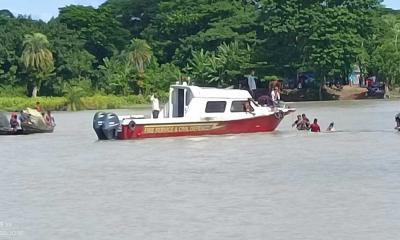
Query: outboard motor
(110, 126)
(98, 121)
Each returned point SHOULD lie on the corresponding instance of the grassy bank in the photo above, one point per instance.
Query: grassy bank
(63, 104)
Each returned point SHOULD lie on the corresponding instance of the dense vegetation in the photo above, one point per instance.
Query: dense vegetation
(130, 47)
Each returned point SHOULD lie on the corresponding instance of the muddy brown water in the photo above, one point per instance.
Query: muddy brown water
(281, 185)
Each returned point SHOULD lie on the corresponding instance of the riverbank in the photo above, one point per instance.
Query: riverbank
(345, 93)
(64, 104)
(134, 101)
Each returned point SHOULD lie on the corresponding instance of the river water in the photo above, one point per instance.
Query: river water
(284, 185)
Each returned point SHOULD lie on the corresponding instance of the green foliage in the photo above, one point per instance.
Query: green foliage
(219, 68)
(116, 75)
(386, 57)
(36, 55)
(37, 58)
(102, 32)
(61, 103)
(19, 103)
(139, 54)
(73, 95)
(270, 78)
(12, 91)
(158, 78)
(141, 46)
(112, 102)
(185, 25)
(134, 15)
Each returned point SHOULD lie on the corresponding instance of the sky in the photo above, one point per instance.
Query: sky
(42, 9)
(395, 4)
(45, 9)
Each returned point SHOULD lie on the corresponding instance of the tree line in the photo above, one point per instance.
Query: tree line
(142, 46)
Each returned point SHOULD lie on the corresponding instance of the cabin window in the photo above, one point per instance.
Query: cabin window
(189, 97)
(215, 107)
(238, 106)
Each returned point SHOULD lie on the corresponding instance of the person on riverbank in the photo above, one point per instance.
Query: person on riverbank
(397, 118)
(155, 106)
(314, 126)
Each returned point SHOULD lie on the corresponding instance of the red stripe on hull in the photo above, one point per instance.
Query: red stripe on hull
(251, 125)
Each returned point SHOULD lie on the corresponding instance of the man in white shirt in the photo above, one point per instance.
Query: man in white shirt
(276, 96)
(251, 81)
(155, 106)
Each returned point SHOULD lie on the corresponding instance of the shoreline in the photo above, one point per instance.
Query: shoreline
(105, 102)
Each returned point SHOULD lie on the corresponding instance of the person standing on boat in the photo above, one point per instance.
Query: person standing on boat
(155, 106)
(251, 82)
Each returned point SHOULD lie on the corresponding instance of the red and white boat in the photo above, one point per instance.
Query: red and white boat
(193, 111)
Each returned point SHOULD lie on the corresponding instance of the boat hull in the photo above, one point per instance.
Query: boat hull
(249, 125)
(11, 132)
(26, 129)
(29, 129)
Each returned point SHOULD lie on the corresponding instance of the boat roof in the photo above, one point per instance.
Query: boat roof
(205, 92)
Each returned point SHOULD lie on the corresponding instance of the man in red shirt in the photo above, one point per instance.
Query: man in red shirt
(315, 127)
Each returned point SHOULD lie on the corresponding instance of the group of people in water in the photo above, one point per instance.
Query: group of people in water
(303, 123)
(16, 122)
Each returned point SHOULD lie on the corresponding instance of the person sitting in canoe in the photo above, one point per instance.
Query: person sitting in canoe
(49, 119)
(38, 107)
(22, 117)
(397, 118)
(14, 122)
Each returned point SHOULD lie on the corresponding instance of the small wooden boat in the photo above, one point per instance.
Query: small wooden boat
(33, 123)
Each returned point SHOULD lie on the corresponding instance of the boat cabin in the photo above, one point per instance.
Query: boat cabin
(199, 103)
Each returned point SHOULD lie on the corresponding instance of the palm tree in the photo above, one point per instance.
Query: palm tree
(74, 95)
(37, 58)
(139, 55)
